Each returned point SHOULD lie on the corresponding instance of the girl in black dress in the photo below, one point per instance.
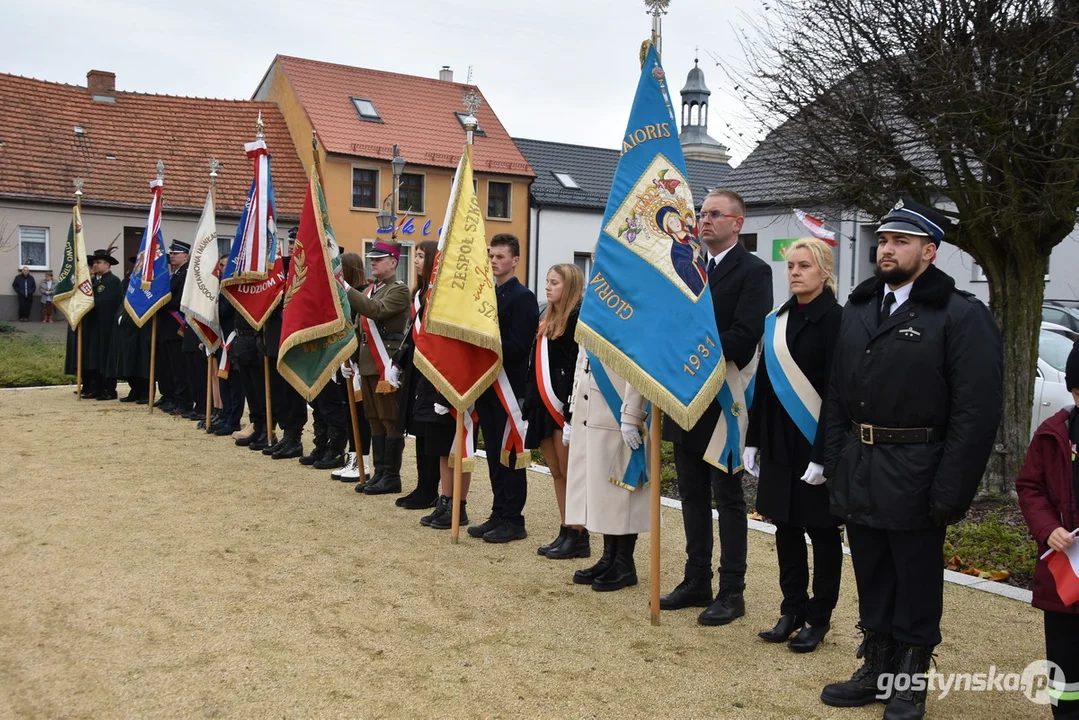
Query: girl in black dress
(550, 382)
(787, 454)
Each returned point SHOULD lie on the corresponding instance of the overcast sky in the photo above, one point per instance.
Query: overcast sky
(560, 70)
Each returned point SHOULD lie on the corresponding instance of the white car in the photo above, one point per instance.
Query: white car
(1050, 393)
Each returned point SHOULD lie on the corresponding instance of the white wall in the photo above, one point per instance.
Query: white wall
(556, 234)
(100, 227)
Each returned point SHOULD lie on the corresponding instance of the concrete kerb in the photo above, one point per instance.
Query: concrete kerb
(956, 578)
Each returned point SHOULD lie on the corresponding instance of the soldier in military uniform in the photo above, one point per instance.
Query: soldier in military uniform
(386, 311)
(912, 410)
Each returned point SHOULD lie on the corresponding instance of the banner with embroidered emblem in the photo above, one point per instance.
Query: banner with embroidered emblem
(649, 276)
(317, 334)
(74, 294)
(735, 397)
(199, 301)
(796, 394)
(149, 288)
(254, 275)
(629, 467)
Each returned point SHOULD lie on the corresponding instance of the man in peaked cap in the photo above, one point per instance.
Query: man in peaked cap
(913, 407)
(175, 396)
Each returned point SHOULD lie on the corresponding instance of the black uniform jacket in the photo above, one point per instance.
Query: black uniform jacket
(785, 453)
(936, 362)
(741, 287)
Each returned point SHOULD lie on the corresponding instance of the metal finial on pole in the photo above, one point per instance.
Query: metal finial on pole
(215, 164)
(160, 171)
(657, 9)
(77, 182)
(472, 102)
(259, 125)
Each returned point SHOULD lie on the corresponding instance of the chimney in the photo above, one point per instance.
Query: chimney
(445, 74)
(101, 83)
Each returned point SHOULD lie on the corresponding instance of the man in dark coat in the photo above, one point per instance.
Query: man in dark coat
(741, 287)
(912, 412)
(24, 285)
(171, 379)
(518, 320)
(97, 335)
(129, 357)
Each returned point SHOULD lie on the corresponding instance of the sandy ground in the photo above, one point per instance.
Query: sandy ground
(148, 570)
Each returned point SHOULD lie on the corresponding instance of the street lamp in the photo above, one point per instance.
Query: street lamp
(386, 218)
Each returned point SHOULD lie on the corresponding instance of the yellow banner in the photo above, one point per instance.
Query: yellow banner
(74, 295)
(462, 303)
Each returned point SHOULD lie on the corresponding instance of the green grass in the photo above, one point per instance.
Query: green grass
(27, 360)
(995, 542)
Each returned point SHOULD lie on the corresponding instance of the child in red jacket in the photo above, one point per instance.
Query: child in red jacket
(1047, 487)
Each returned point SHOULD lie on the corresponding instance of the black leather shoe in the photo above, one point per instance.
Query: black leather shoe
(271, 446)
(257, 434)
(106, 395)
(445, 520)
(130, 397)
(442, 505)
(808, 638)
(143, 400)
(260, 442)
(544, 549)
(160, 403)
(787, 626)
(587, 576)
(622, 572)
(728, 606)
(909, 704)
(691, 592)
(416, 501)
(576, 545)
(223, 430)
(478, 531)
(506, 532)
(289, 448)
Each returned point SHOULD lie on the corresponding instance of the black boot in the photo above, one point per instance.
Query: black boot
(321, 436)
(691, 592)
(622, 572)
(576, 545)
(808, 638)
(445, 520)
(260, 441)
(259, 431)
(862, 688)
(378, 462)
(291, 446)
(391, 469)
(588, 575)
(909, 704)
(544, 549)
(426, 493)
(272, 443)
(333, 452)
(442, 506)
(787, 626)
(729, 605)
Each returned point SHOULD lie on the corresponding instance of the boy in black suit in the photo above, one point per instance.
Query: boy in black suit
(741, 287)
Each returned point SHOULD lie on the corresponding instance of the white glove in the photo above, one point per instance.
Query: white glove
(566, 430)
(346, 370)
(393, 376)
(441, 409)
(631, 436)
(344, 283)
(814, 474)
(749, 461)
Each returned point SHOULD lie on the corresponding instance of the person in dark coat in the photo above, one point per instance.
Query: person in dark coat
(914, 403)
(788, 456)
(176, 396)
(1048, 486)
(551, 368)
(25, 285)
(741, 288)
(232, 388)
(289, 409)
(97, 336)
(129, 354)
(518, 318)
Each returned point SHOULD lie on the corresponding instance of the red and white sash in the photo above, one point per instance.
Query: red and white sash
(223, 368)
(469, 424)
(543, 380)
(378, 350)
(513, 439)
(416, 320)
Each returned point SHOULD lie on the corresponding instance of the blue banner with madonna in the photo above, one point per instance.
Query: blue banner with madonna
(647, 311)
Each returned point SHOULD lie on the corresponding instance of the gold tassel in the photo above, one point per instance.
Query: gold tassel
(524, 460)
(384, 388)
(467, 465)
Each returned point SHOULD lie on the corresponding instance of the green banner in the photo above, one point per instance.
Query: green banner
(779, 248)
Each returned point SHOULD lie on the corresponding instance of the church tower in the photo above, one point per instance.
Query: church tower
(697, 144)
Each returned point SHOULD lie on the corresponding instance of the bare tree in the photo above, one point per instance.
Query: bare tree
(7, 237)
(975, 102)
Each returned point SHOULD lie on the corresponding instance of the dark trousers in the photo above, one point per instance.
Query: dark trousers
(250, 370)
(289, 408)
(1062, 648)
(93, 381)
(900, 578)
(25, 303)
(365, 431)
(698, 482)
(140, 387)
(195, 378)
(794, 571)
(171, 377)
(232, 399)
(428, 465)
(510, 486)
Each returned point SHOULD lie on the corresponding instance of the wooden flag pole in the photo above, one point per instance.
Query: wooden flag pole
(654, 477)
(455, 527)
(269, 404)
(209, 389)
(211, 364)
(78, 362)
(153, 360)
(357, 434)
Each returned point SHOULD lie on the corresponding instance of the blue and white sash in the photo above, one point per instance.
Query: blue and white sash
(735, 396)
(796, 394)
(635, 474)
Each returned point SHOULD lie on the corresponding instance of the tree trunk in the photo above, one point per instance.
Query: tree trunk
(1016, 289)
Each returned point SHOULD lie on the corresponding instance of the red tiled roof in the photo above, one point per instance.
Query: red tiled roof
(417, 113)
(40, 152)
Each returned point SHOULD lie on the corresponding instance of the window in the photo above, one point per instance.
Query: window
(461, 119)
(498, 200)
(366, 109)
(567, 180)
(1056, 316)
(364, 188)
(584, 262)
(749, 240)
(224, 244)
(410, 193)
(404, 267)
(34, 247)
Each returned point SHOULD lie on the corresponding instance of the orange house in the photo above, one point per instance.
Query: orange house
(360, 114)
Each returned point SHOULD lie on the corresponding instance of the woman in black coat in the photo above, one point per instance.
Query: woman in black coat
(799, 340)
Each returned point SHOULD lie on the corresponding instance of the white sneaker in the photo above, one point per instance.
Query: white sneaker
(349, 471)
(367, 466)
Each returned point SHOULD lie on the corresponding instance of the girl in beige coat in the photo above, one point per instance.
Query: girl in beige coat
(599, 454)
